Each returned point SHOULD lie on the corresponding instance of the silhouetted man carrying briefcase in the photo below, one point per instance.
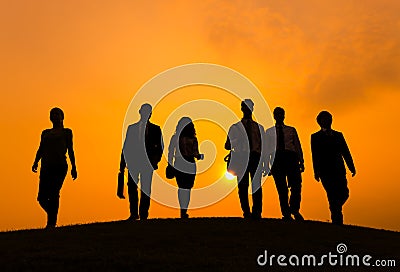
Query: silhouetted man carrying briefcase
(141, 154)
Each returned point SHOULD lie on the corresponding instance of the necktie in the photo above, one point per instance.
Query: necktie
(281, 138)
(141, 131)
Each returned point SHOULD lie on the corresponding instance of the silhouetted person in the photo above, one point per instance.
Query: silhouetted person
(328, 149)
(54, 144)
(141, 154)
(287, 163)
(182, 151)
(245, 140)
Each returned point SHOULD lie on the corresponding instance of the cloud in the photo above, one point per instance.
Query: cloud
(360, 60)
(335, 54)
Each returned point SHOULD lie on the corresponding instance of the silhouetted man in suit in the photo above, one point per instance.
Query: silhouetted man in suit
(141, 154)
(287, 162)
(328, 149)
(245, 140)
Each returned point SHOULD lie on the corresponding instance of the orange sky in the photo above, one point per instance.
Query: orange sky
(90, 58)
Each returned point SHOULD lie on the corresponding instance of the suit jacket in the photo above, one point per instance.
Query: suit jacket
(291, 139)
(328, 151)
(238, 140)
(139, 152)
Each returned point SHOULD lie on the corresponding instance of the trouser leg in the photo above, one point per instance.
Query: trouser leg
(184, 199)
(43, 200)
(54, 203)
(51, 181)
(257, 201)
(337, 192)
(146, 176)
(294, 181)
(133, 179)
(243, 188)
(335, 208)
(255, 175)
(281, 187)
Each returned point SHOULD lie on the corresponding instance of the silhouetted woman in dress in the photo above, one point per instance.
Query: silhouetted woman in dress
(54, 144)
(182, 152)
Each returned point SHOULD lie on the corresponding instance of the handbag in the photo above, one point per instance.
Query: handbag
(229, 166)
(170, 172)
(235, 163)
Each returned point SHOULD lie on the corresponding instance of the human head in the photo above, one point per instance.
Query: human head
(324, 119)
(185, 128)
(279, 114)
(56, 116)
(145, 111)
(247, 107)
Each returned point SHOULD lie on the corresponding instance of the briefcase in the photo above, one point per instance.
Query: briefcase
(121, 181)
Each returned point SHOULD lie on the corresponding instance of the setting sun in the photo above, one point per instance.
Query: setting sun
(229, 176)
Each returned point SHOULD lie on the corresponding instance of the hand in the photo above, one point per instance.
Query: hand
(353, 173)
(317, 178)
(302, 167)
(266, 171)
(121, 195)
(34, 168)
(74, 174)
(200, 157)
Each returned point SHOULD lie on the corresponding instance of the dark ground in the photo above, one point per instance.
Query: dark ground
(198, 244)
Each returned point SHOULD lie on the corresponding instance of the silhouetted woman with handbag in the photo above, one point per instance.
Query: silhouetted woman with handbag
(182, 152)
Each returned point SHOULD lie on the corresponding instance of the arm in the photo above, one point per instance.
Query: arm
(228, 143)
(122, 163)
(299, 150)
(71, 154)
(264, 145)
(160, 144)
(270, 140)
(315, 159)
(346, 155)
(39, 154)
(171, 150)
(230, 138)
(196, 153)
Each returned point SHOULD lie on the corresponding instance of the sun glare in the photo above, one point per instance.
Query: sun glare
(229, 175)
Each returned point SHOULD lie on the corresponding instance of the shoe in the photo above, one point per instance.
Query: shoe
(50, 227)
(247, 215)
(132, 218)
(337, 223)
(184, 216)
(287, 218)
(298, 216)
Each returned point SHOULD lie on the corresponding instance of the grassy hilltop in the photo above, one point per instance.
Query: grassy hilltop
(198, 244)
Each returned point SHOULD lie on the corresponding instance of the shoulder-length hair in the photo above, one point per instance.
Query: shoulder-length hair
(185, 128)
